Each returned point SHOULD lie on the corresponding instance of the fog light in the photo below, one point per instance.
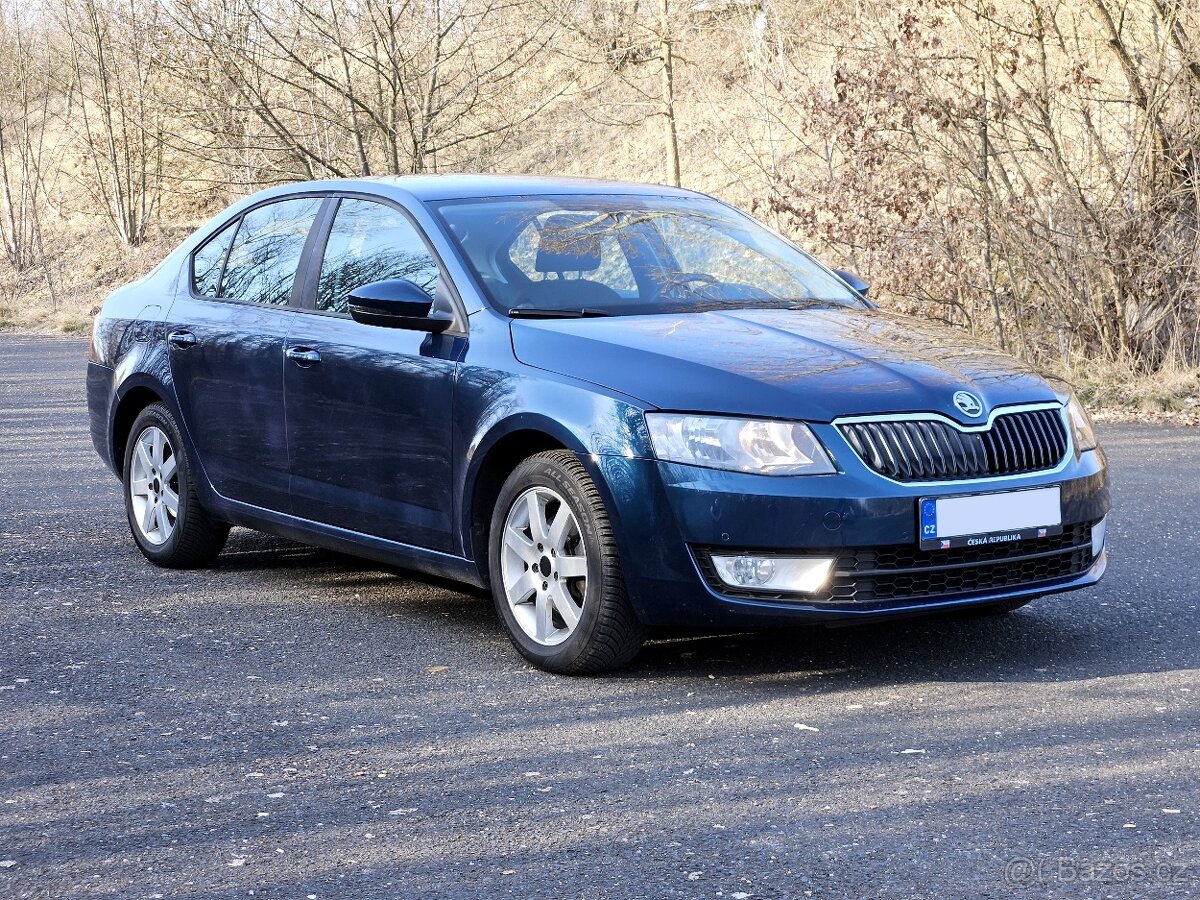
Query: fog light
(1099, 532)
(800, 575)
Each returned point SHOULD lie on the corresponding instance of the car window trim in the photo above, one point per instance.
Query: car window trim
(308, 302)
(239, 218)
(237, 229)
(304, 289)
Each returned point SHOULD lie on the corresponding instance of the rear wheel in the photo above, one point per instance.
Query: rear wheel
(165, 517)
(555, 574)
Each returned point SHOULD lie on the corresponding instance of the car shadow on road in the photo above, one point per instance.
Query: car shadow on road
(1021, 645)
(1064, 637)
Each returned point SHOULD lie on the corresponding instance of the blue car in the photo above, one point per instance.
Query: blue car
(617, 406)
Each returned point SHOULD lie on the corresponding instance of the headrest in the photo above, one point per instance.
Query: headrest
(567, 244)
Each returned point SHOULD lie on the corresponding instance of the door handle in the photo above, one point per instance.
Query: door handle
(303, 356)
(182, 340)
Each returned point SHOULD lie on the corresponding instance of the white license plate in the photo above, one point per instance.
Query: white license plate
(981, 519)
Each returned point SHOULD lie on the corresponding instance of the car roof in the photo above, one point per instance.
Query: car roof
(462, 186)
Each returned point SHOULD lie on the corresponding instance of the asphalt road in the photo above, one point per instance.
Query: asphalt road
(296, 724)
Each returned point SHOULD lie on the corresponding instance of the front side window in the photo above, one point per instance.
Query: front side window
(207, 261)
(266, 251)
(628, 255)
(371, 242)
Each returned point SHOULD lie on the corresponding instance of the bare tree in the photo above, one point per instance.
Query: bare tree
(1029, 170)
(115, 116)
(1026, 169)
(638, 47)
(381, 86)
(26, 92)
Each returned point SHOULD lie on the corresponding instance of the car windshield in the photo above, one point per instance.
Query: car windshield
(606, 255)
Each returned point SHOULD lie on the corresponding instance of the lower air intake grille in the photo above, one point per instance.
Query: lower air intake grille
(935, 450)
(871, 575)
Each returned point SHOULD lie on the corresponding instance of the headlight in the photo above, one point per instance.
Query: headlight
(1081, 426)
(761, 446)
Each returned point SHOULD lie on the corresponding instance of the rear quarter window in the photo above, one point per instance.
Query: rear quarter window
(209, 259)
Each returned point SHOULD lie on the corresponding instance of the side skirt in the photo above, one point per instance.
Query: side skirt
(354, 543)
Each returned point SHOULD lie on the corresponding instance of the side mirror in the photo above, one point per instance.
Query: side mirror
(397, 303)
(853, 281)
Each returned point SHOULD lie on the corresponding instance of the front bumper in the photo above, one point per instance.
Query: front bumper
(669, 517)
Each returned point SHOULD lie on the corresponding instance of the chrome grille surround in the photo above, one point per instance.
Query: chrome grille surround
(931, 448)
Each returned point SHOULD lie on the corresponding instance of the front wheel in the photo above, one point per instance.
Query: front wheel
(555, 574)
(166, 519)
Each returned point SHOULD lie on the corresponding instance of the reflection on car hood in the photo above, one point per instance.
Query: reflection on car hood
(815, 364)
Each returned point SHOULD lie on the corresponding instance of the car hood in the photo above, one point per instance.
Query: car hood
(816, 364)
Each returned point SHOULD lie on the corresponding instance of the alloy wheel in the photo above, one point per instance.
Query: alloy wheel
(154, 485)
(544, 566)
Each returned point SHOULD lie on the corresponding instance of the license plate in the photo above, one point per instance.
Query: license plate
(977, 520)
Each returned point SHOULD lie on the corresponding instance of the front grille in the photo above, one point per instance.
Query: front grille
(871, 575)
(935, 450)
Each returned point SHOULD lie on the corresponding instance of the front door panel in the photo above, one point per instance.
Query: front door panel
(369, 429)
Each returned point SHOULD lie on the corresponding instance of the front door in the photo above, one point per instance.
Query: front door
(369, 409)
(227, 349)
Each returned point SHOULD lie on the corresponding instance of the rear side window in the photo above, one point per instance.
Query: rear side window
(371, 242)
(266, 252)
(207, 261)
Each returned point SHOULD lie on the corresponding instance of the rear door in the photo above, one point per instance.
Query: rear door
(226, 340)
(369, 409)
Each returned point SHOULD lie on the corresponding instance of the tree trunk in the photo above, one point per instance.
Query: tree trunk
(666, 54)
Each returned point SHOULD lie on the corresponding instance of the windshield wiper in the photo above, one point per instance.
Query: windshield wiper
(546, 312)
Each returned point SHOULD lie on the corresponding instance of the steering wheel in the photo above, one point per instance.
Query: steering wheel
(685, 284)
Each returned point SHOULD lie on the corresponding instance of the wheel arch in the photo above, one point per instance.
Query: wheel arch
(129, 404)
(502, 450)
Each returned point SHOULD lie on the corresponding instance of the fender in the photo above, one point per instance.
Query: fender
(156, 378)
(581, 409)
(497, 395)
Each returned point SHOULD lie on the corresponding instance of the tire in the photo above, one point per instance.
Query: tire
(535, 600)
(157, 469)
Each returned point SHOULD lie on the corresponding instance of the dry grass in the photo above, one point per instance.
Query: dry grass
(82, 270)
(1117, 393)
